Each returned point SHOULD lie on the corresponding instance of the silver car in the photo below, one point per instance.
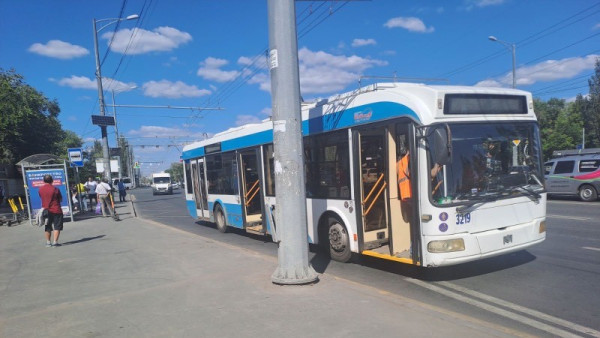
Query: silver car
(574, 174)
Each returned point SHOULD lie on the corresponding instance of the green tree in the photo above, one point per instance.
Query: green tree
(176, 171)
(29, 121)
(591, 110)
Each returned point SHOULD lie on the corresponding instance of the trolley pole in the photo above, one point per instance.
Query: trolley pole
(290, 214)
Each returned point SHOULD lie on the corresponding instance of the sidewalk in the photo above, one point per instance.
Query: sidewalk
(138, 278)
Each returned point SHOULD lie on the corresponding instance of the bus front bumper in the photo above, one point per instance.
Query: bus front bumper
(486, 244)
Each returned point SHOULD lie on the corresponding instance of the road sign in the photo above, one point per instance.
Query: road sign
(76, 157)
(102, 120)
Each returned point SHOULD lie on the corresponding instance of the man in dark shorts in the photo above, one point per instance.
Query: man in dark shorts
(51, 198)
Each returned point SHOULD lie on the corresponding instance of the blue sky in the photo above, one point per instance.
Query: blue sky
(209, 54)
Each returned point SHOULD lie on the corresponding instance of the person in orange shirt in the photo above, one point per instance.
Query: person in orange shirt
(403, 174)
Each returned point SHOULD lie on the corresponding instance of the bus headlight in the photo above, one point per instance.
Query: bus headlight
(449, 245)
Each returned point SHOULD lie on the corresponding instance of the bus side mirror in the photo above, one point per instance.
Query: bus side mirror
(441, 145)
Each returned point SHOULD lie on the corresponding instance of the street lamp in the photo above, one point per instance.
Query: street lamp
(105, 149)
(116, 124)
(511, 47)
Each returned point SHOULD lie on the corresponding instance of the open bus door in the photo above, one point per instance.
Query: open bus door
(386, 232)
(251, 190)
(199, 185)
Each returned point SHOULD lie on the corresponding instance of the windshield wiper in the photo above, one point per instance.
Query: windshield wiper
(534, 195)
(475, 200)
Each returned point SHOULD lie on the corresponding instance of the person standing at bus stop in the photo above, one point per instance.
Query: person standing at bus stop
(91, 186)
(51, 199)
(103, 189)
(122, 190)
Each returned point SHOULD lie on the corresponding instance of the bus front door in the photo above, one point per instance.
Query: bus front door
(373, 187)
(251, 191)
(199, 185)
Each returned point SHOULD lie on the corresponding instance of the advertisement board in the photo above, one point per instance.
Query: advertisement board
(35, 179)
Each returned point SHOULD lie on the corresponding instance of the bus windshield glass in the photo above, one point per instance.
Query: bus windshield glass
(489, 161)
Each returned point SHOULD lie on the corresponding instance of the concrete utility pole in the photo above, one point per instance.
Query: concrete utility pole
(105, 149)
(293, 266)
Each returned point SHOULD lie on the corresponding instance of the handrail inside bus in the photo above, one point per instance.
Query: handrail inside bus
(252, 191)
(375, 186)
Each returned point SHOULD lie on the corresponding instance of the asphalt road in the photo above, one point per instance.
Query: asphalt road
(550, 289)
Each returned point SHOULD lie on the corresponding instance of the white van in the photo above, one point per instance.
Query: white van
(161, 184)
(574, 172)
(126, 182)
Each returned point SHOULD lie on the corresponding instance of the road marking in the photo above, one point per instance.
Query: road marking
(514, 316)
(590, 248)
(531, 312)
(569, 217)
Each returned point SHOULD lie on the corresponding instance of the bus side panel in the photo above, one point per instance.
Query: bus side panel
(231, 207)
(315, 208)
(191, 206)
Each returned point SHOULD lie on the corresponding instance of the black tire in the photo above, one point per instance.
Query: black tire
(339, 241)
(588, 193)
(220, 219)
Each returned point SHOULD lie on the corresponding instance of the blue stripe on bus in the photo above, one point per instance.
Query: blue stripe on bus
(191, 206)
(322, 123)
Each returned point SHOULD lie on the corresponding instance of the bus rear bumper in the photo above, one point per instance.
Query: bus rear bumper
(487, 244)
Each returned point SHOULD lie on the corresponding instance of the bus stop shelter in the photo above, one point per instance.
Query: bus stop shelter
(34, 168)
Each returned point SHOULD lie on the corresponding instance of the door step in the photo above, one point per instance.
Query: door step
(256, 229)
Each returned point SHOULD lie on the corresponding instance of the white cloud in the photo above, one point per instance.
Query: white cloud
(173, 90)
(80, 82)
(323, 73)
(596, 26)
(139, 41)
(58, 49)
(409, 23)
(83, 82)
(546, 71)
(163, 132)
(363, 42)
(246, 119)
(489, 83)
(572, 99)
(267, 111)
(210, 70)
(471, 4)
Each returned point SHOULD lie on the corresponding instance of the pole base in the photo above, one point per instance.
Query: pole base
(295, 276)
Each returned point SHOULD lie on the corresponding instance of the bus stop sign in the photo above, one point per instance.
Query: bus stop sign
(76, 157)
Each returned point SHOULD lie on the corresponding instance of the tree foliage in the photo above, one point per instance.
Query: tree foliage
(562, 123)
(176, 172)
(29, 121)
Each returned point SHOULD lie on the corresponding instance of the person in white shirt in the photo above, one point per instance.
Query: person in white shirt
(103, 189)
(91, 186)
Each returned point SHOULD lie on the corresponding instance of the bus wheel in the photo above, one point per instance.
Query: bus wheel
(220, 219)
(339, 241)
(587, 193)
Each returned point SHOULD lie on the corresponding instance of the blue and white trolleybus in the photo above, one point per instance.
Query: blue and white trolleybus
(474, 168)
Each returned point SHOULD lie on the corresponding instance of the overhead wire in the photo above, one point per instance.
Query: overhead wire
(250, 70)
(526, 41)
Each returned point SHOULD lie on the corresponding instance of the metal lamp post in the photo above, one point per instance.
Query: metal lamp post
(511, 47)
(105, 149)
